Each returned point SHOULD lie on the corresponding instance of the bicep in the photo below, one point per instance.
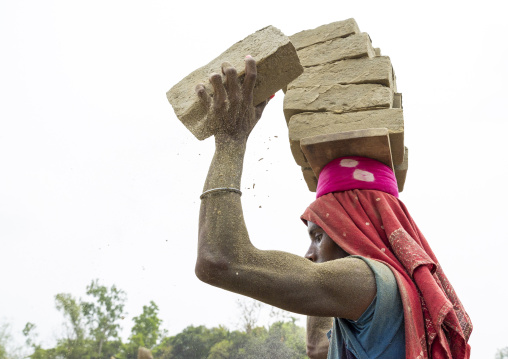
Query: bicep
(341, 288)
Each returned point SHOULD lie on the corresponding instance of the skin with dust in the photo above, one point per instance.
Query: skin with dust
(323, 284)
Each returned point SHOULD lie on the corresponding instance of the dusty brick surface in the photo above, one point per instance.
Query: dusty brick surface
(310, 178)
(377, 70)
(397, 100)
(401, 170)
(309, 124)
(337, 99)
(277, 64)
(324, 33)
(347, 85)
(350, 47)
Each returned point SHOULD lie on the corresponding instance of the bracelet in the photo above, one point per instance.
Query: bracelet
(226, 189)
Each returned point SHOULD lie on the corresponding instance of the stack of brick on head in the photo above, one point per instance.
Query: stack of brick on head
(369, 273)
(337, 107)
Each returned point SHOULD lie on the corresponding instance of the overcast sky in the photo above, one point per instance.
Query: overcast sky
(99, 179)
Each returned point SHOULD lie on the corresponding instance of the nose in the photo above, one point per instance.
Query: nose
(311, 254)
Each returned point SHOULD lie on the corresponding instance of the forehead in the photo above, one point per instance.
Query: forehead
(311, 226)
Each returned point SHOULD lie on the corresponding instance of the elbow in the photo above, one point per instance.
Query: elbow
(311, 351)
(317, 351)
(212, 270)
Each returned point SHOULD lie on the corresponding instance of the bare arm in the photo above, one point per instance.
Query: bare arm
(226, 257)
(317, 341)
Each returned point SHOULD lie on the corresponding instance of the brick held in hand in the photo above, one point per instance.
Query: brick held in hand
(277, 65)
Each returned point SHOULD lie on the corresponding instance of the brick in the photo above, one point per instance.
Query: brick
(350, 47)
(309, 124)
(337, 99)
(394, 81)
(324, 33)
(377, 70)
(372, 143)
(401, 170)
(310, 178)
(400, 175)
(397, 100)
(277, 64)
(377, 51)
(320, 150)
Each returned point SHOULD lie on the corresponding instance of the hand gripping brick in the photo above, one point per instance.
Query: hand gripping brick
(277, 65)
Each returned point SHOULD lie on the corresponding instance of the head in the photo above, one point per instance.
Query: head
(322, 248)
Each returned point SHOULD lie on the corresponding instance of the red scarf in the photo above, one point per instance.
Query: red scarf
(376, 225)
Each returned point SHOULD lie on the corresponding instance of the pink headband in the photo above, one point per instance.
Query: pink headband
(354, 172)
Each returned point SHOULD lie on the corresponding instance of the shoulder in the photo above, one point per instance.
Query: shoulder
(379, 331)
(387, 290)
(383, 274)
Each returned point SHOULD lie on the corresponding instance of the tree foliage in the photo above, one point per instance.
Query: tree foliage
(145, 333)
(502, 353)
(103, 315)
(7, 349)
(91, 328)
(283, 340)
(91, 331)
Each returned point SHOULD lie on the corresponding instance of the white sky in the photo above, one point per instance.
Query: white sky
(99, 179)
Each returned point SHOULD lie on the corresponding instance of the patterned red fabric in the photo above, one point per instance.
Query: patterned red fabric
(376, 225)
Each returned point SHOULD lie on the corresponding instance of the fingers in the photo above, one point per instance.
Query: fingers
(219, 92)
(250, 78)
(260, 108)
(232, 84)
(203, 96)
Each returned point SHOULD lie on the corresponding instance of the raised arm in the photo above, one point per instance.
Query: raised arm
(226, 257)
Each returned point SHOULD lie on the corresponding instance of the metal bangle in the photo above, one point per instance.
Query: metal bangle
(226, 189)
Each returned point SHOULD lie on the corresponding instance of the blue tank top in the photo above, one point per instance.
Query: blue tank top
(379, 332)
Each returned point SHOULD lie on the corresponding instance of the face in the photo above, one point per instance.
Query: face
(322, 247)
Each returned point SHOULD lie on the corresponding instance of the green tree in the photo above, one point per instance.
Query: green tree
(102, 316)
(249, 313)
(71, 310)
(164, 350)
(30, 334)
(7, 349)
(502, 353)
(31, 337)
(146, 332)
(282, 340)
(221, 350)
(193, 342)
(75, 345)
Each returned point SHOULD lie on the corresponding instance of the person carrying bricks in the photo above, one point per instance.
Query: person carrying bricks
(369, 273)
